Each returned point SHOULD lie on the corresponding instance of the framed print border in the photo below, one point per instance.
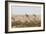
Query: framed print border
(6, 16)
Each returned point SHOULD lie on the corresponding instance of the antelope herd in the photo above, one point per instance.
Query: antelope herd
(26, 21)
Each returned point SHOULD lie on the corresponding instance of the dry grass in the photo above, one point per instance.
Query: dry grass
(26, 21)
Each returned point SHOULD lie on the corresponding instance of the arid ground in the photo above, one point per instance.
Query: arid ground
(26, 21)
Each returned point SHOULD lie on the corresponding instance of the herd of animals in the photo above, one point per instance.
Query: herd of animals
(26, 21)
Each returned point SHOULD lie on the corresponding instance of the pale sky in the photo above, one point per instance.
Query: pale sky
(21, 10)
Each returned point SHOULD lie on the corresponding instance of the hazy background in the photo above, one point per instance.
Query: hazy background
(22, 10)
